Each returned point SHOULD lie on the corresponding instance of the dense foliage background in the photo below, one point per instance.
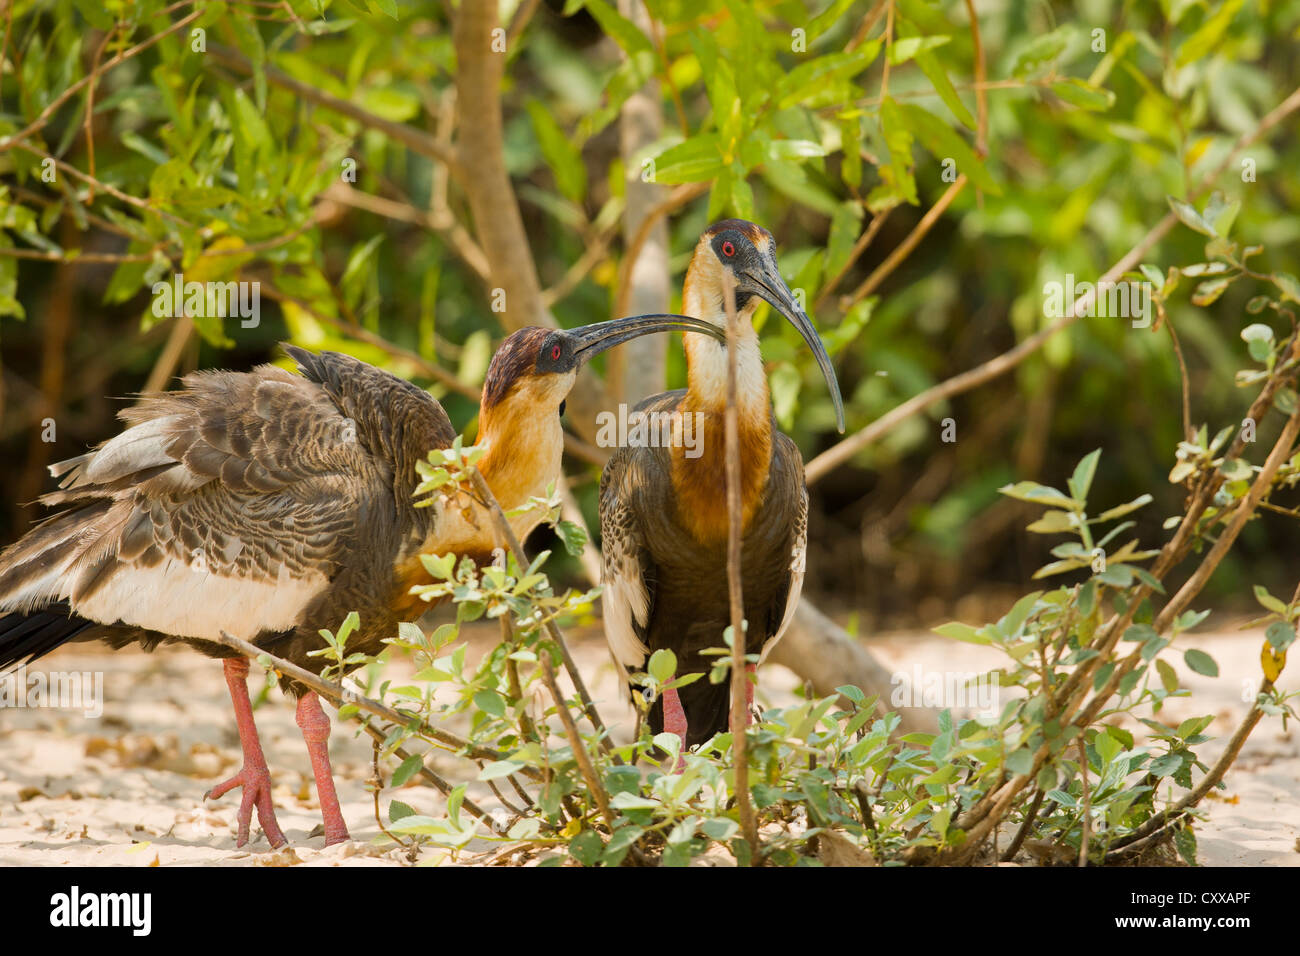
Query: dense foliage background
(225, 154)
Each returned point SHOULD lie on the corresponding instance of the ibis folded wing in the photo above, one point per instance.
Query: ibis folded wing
(230, 504)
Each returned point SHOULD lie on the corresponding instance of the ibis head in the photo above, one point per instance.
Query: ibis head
(541, 365)
(747, 254)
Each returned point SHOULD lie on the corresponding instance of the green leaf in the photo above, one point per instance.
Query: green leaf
(663, 664)
(1168, 676)
(1040, 51)
(822, 73)
(1084, 95)
(1120, 510)
(1289, 285)
(1208, 292)
(1266, 599)
(572, 535)
(1190, 217)
(1081, 481)
(619, 28)
(499, 768)
(904, 49)
(1020, 761)
(560, 151)
(962, 632)
(938, 77)
(692, 161)
(408, 769)
(1037, 494)
(1209, 35)
(586, 847)
(944, 143)
(1052, 522)
(1280, 634)
(490, 702)
(1201, 663)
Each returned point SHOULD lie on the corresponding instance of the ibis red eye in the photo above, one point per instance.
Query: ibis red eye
(728, 249)
(555, 353)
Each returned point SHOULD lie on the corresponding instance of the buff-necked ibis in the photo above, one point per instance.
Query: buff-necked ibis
(663, 511)
(269, 505)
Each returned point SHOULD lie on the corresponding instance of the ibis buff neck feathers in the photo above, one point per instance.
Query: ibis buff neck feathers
(745, 252)
(527, 382)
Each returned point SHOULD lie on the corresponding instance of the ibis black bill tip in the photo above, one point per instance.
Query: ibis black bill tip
(596, 338)
(771, 287)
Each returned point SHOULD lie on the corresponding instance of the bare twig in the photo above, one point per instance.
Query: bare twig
(739, 674)
(594, 784)
(904, 248)
(1086, 823)
(511, 540)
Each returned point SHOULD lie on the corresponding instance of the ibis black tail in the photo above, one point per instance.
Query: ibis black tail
(25, 637)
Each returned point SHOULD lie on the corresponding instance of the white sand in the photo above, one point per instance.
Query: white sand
(126, 788)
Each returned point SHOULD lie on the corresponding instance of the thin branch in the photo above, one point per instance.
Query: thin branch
(511, 540)
(438, 781)
(588, 770)
(864, 240)
(904, 248)
(739, 642)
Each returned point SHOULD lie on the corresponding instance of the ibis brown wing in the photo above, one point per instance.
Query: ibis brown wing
(665, 589)
(245, 501)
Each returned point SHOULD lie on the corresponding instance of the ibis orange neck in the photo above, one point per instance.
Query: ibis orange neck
(701, 482)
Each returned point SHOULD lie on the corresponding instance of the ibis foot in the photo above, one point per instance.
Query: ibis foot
(315, 728)
(254, 776)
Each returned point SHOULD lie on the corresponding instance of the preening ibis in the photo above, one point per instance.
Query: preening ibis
(663, 511)
(269, 505)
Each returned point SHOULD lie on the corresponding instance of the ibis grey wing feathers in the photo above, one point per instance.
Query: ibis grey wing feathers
(626, 568)
(236, 503)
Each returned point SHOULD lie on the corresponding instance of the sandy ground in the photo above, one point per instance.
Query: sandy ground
(126, 787)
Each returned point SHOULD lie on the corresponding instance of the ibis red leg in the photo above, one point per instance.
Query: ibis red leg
(675, 721)
(315, 728)
(750, 680)
(254, 776)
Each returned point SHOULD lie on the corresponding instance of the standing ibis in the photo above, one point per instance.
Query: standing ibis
(269, 505)
(663, 510)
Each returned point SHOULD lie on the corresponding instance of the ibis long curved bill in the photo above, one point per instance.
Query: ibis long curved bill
(600, 336)
(768, 284)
